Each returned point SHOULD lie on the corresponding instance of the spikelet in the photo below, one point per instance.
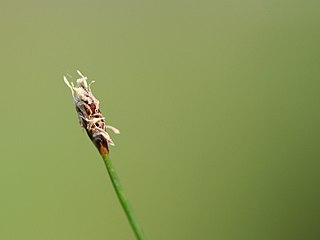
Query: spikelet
(89, 114)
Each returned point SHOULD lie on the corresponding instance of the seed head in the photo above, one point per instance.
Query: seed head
(89, 114)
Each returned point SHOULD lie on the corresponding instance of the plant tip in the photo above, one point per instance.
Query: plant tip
(89, 114)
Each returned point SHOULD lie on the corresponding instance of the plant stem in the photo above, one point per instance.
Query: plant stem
(123, 199)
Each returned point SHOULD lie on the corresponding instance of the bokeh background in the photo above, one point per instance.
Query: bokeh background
(218, 106)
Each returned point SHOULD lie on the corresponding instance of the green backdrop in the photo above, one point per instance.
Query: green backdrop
(218, 106)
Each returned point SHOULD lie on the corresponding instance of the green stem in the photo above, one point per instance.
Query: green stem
(123, 199)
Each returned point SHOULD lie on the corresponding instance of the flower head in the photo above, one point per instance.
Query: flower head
(89, 114)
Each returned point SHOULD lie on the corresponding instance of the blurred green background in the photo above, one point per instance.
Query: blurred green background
(218, 106)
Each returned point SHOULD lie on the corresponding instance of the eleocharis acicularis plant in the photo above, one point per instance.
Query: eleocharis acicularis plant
(92, 120)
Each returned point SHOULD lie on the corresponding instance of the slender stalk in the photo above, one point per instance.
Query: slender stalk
(122, 198)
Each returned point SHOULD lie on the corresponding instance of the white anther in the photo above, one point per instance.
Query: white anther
(113, 129)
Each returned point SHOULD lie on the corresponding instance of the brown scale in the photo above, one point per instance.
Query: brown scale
(94, 131)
